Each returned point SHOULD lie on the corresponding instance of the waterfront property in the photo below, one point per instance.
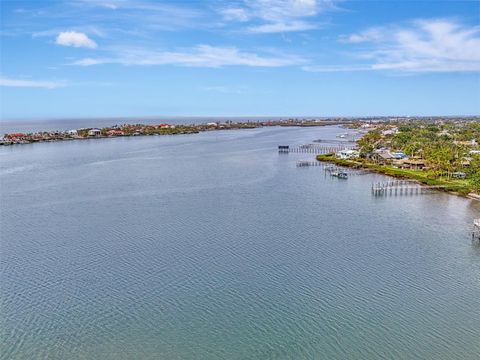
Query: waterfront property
(348, 154)
(94, 132)
(383, 156)
(410, 163)
(442, 153)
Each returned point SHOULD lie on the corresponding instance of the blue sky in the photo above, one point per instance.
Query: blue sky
(107, 58)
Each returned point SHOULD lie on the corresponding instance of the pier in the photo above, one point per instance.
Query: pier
(338, 169)
(401, 187)
(316, 149)
(331, 168)
(353, 141)
(308, 163)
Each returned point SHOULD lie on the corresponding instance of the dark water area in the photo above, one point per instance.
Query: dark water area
(214, 246)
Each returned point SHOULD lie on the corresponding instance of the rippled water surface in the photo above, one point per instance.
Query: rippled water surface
(213, 246)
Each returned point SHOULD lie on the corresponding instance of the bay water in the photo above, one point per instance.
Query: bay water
(214, 246)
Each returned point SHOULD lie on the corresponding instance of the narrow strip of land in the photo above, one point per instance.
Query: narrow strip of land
(149, 130)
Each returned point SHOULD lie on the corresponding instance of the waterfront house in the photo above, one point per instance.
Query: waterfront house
(94, 132)
(114, 132)
(16, 136)
(72, 132)
(414, 164)
(347, 154)
(382, 156)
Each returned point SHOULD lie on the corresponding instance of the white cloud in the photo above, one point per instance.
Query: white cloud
(109, 6)
(277, 15)
(75, 39)
(372, 34)
(281, 27)
(145, 15)
(4, 81)
(337, 68)
(438, 45)
(279, 10)
(235, 14)
(199, 56)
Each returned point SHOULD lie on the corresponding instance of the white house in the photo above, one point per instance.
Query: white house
(347, 154)
(94, 132)
(72, 132)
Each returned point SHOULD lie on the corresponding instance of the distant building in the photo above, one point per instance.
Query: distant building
(94, 132)
(114, 132)
(72, 132)
(392, 131)
(16, 136)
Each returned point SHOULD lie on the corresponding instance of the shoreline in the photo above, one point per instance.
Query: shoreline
(452, 187)
(132, 130)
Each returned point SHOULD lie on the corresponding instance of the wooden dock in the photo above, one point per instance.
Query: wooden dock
(350, 142)
(401, 187)
(332, 168)
(308, 163)
(316, 149)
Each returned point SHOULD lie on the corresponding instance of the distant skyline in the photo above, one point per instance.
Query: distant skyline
(126, 58)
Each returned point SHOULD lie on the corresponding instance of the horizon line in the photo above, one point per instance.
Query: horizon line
(152, 117)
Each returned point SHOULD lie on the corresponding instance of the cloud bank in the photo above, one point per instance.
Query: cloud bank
(425, 45)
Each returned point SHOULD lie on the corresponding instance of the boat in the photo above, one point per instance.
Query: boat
(342, 175)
